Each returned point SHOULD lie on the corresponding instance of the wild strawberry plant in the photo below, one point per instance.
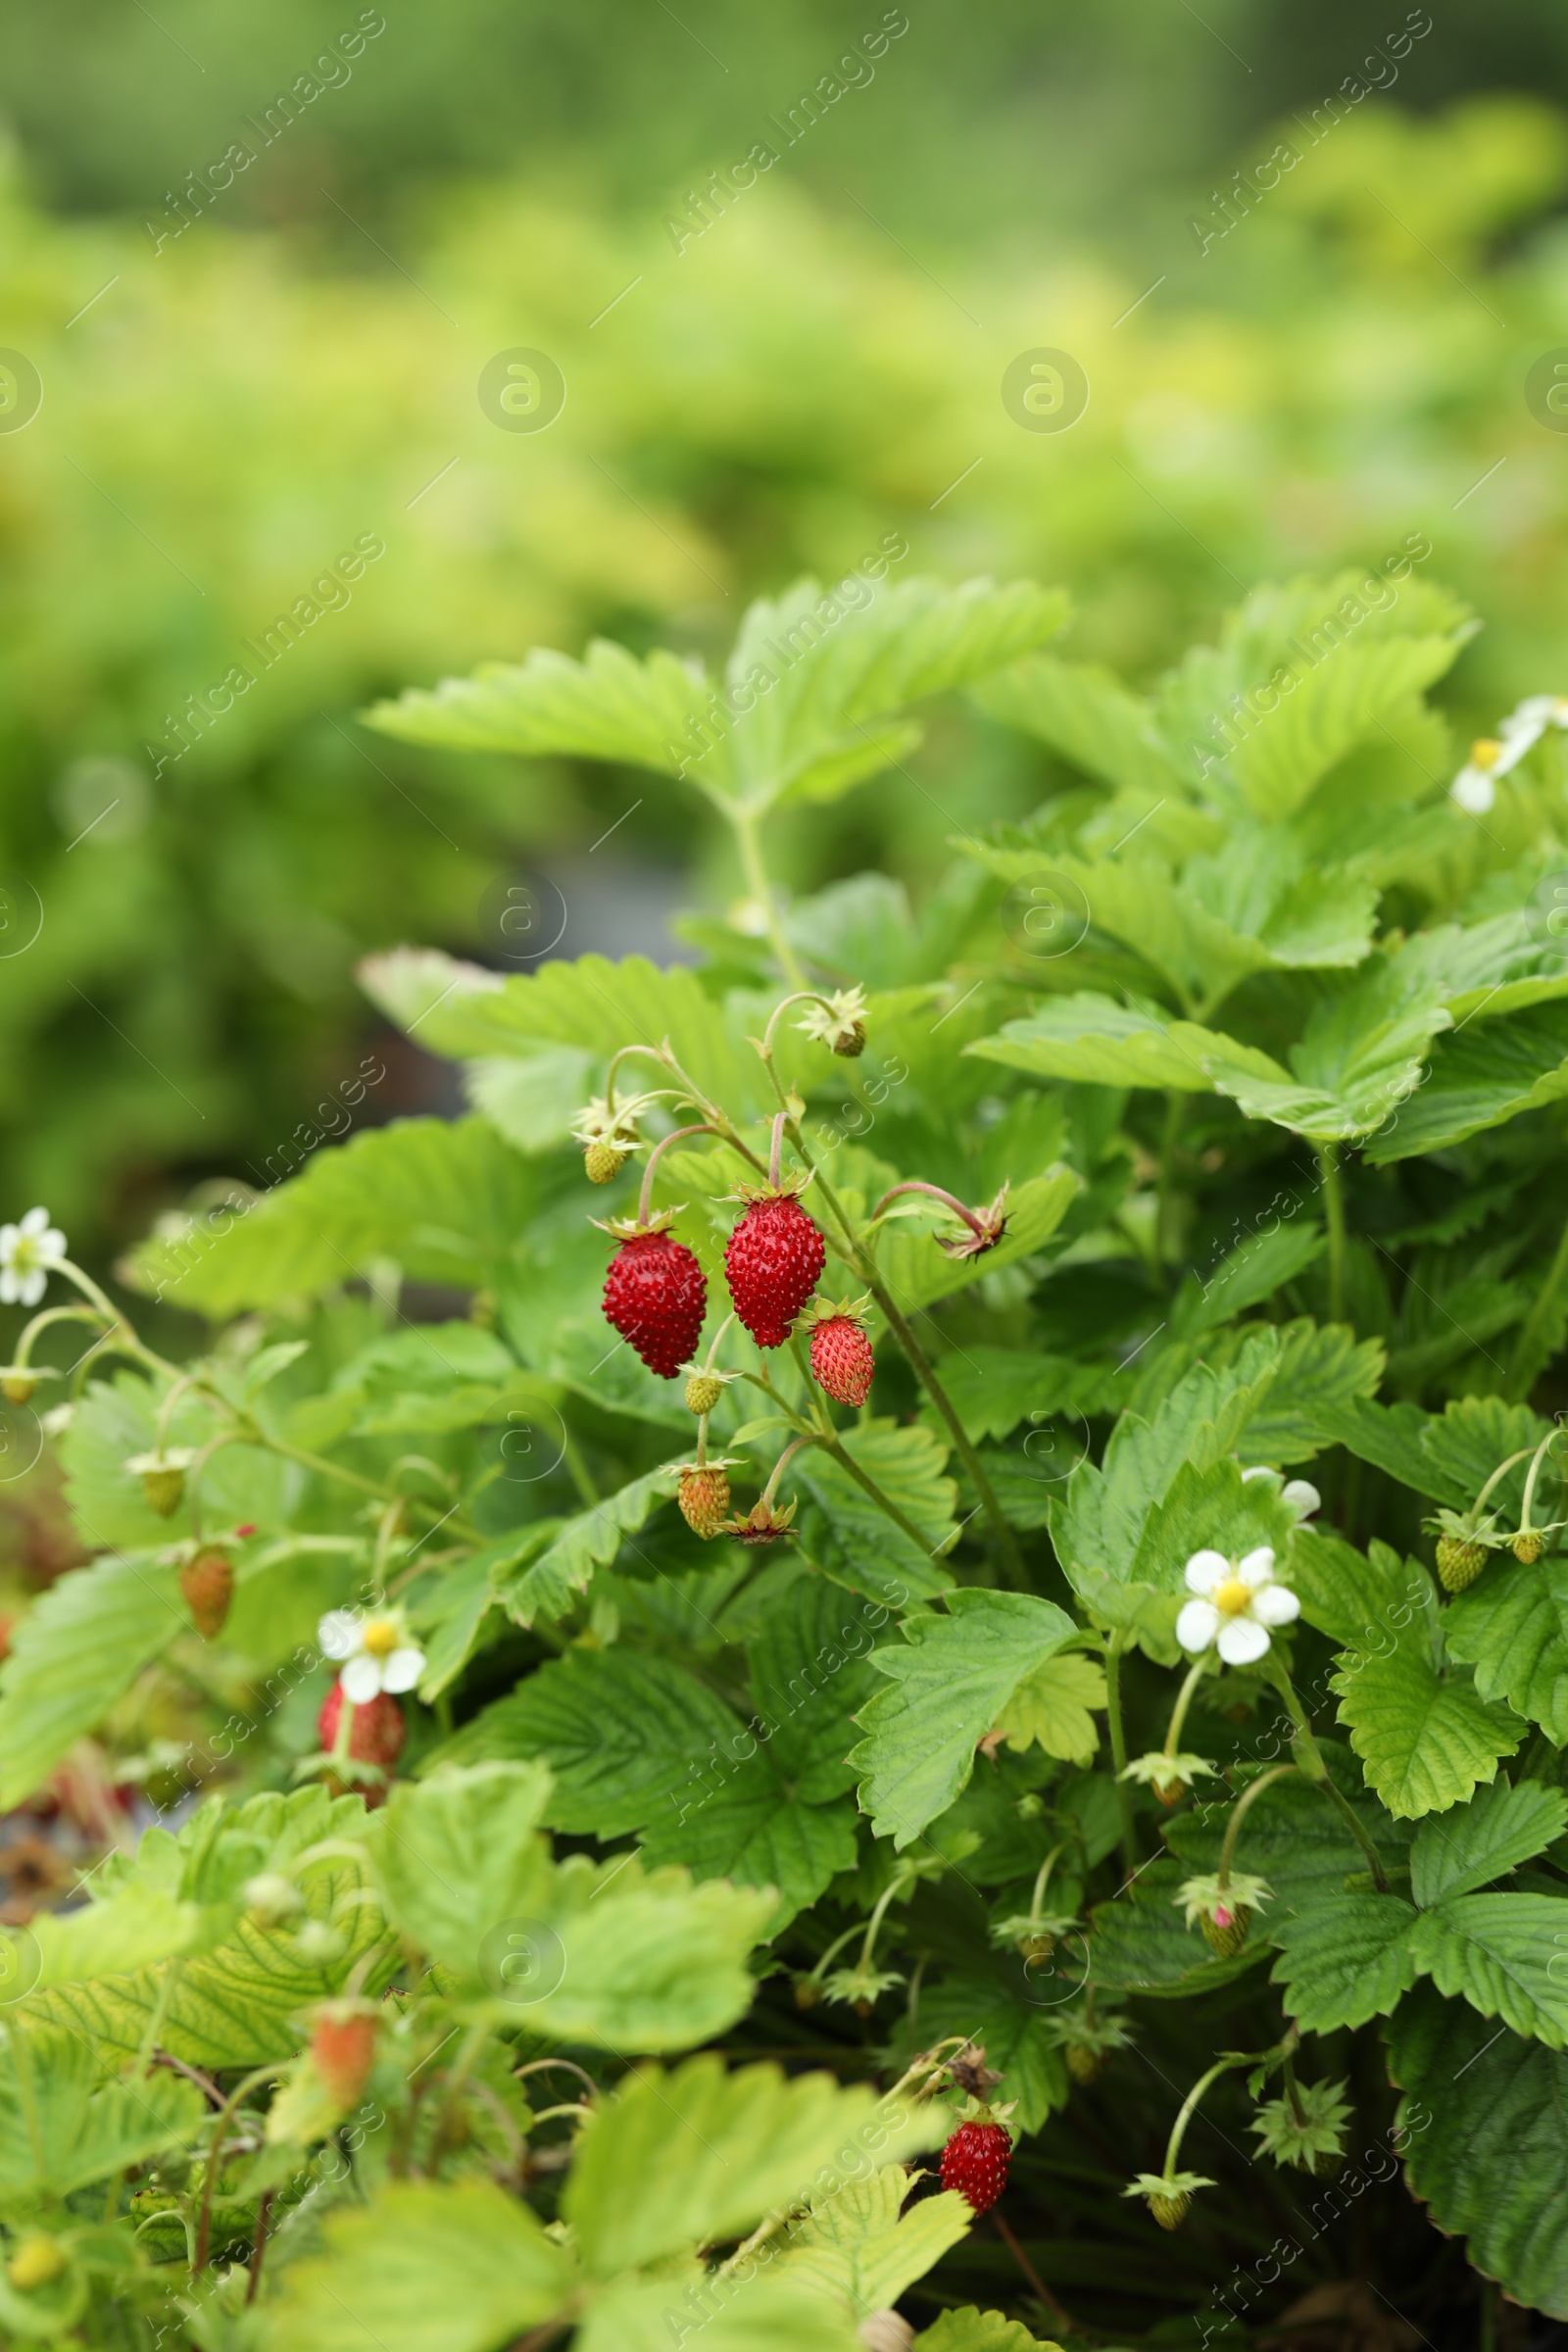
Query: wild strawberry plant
(1007, 1592)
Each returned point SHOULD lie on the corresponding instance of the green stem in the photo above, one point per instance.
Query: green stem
(1311, 1758)
(1184, 1696)
(1043, 1879)
(1334, 1210)
(1118, 1746)
(1518, 1381)
(204, 2231)
(749, 845)
(1189, 2105)
(1254, 1788)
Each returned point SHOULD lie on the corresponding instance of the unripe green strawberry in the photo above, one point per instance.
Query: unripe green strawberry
(343, 2048)
(1459, 1562)
(207, 1583)
(1224, 1930)
(38, 2261)
(703, 1392)
(703, 1497)
(1527, 1546)
(603, 1164)
(1171, 2212)
(1084, 2064)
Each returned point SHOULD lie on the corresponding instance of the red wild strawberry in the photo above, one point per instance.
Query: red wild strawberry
(975, 2162)
(655, 1296)
(376, 1734)
(773, 1258)
(207, 1583)
(842, 1359)
(343, 2047)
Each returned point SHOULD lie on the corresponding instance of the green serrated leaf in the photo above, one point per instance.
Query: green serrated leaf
(460, 1856)
(1051, 1708)
(59, 2131)
(1424, 1734)
(1345, 1959)
(1501, 1951)
(951, 1678)
(428, 2266)
(1484, 2133)
(1500, 1828)
(1513, 1628)
(78, 1648)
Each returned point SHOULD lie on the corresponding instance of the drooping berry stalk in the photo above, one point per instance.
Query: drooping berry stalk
(985, 1225)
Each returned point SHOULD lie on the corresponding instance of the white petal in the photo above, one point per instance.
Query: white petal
(36, 1221)
(53, 1244)
(1534, 710)
(31, 1287)
(1276, 1605)
(1516, 747)
(1257, 1567)
(9, 1293)
(1242, 1641)
(1205, 1570)
(339, 1633)
(1258, 1470)
(1196, 1625)
(1473, 790)
(403, 1670)
(360, 1680)
(1301, 1496)
(9, 1237)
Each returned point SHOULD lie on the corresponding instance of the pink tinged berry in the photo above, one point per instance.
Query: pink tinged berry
(1224, 1916)
(655, 1296)
(842, 1359)
(771, 1264)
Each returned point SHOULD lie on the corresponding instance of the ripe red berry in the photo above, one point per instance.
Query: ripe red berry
(842, 1359)
(775, 1256)
(975, 2162)
(207, 1583)
(343, 2047)
(376, 1734)
(655, 1296)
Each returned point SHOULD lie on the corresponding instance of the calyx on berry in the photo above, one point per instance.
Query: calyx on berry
(975, 2160)
(163, 1477)
(702, 1494)
(837, 1020)
(761, 1525)
(772, 1260)
(1168, 2195)
(609, 1134)
(1222, 1907)
(981, 1229)
(656, 1293)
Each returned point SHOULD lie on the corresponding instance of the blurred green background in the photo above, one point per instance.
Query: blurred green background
(227, 409)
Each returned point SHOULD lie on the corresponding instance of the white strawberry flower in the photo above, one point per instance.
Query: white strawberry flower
(1475, 787)
(375, 1651)
(1238, 1604)
(29, 1253)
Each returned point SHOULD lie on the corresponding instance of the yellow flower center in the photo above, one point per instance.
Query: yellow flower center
(380, 1637)
(1484, 751)
(1230, 1598)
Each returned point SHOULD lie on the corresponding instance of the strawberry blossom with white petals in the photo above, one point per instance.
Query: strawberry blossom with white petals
(1475, 787)
(1238, 1604)
(375, 1651)
(29, 1253)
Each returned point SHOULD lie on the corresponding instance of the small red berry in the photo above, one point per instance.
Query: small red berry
(975, 2162)
(376, 1734)
(207, 1583)
(842, 1359)
(773, 1258)
(343, 2047)
(655, 1296)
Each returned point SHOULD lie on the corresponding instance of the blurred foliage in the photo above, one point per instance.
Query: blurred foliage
(224, 416)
